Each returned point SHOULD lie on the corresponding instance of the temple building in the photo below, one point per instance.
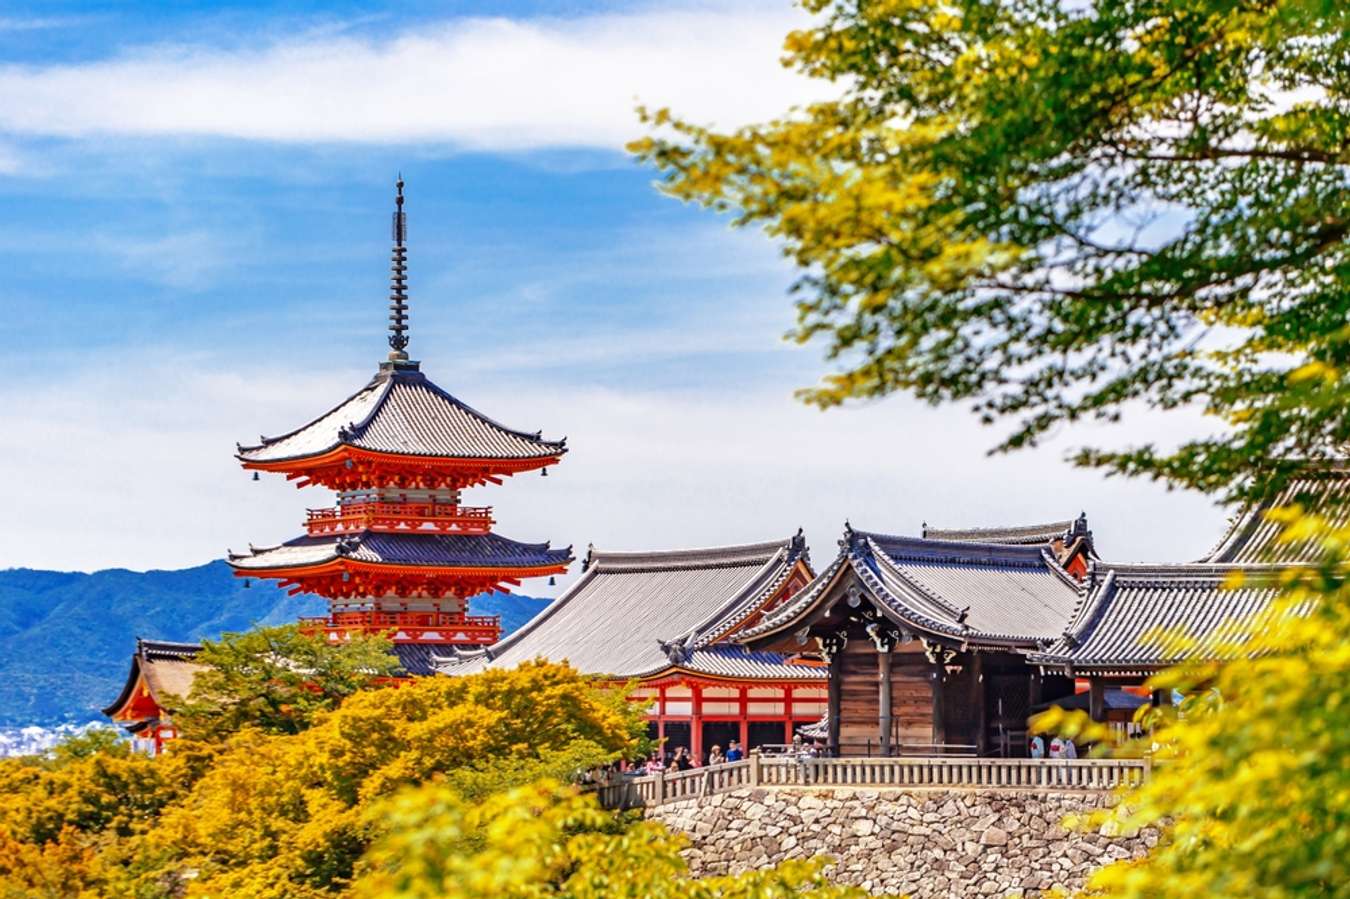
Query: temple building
(399, 553)
(160, 672)
(925, 638)
(942, 643)
(949, 642)
(667, 621)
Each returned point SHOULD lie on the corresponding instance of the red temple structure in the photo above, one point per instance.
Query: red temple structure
(398, 553)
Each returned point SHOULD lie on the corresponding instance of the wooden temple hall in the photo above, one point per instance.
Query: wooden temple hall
(944, 642)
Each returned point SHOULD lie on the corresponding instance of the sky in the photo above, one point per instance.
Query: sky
(194, 240)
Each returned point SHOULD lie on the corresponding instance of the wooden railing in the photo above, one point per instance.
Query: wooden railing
(396, 517)
(778, 772)
(417, 627)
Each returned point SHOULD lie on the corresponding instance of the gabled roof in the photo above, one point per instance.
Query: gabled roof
(1007, 594)
(430, 550)
(166, 668)
(1252, 539)
(1125, 604)
(639, 614)
(401, 412)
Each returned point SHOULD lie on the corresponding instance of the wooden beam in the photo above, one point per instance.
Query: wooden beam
(1097, 699)
(884, 700)
(939, 724)
(836, 694)
(978, 703)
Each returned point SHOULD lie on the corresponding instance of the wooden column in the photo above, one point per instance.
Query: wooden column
(978, 701)
(1097, 699)
(1034, 688)
(836, 693)
(939, 724)
(661, 720)
(884, 700)
(696, 725)
(1161, 697)
(744, 738)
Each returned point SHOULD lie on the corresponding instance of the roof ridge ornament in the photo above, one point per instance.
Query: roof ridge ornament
(398, 282)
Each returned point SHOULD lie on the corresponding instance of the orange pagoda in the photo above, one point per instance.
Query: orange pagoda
(398, 553)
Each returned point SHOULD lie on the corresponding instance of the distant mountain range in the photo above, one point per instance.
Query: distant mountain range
(66, 638)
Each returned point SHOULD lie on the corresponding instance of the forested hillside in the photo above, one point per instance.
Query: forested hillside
(65, 638)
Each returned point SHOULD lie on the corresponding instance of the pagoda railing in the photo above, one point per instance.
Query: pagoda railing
(400, 517)
(410, 627)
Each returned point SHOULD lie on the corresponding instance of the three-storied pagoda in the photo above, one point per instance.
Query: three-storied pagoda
(398, 553)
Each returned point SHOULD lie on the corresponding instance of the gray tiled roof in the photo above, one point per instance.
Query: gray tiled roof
(1018, 534)
(439, 550)
(400, 411)
(636, 614)
(1253, 539)
(1129, 603)
(978, 592)
(1010, 591)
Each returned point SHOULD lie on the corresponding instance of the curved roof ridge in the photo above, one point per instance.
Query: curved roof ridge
(1013, 533)
(706, 637)
(793, 607)
(924, 592)
(970, 552)
(1216, 571)
(1091, 608)
(381, 378)
(656, 560)
(748, 592)
(770, 563)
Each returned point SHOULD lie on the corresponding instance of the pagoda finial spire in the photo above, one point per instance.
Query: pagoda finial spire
(398, 282)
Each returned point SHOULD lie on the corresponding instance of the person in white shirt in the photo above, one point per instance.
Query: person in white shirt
(1037, 747)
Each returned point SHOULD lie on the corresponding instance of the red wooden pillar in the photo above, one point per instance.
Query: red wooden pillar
(787, 713)
(661, 719)
(696, 724)
(745, 720)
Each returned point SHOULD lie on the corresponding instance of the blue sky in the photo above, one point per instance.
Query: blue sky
(194, 208)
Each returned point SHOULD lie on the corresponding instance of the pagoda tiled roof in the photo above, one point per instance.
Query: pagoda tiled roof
(1136, 619)
(1251, 538)
(402, 412)
(432, 550)
(1007, 594)
(641, 614)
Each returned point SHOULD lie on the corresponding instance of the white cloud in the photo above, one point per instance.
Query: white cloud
(10, 161)
(133, 467)
(479, 83)
(40, 23)
(189, 260)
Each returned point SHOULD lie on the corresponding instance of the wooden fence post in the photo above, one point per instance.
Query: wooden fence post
(754, 767)
(660, 787)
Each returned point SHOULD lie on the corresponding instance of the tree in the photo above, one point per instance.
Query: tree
(277, 679)
(1051, 211)
(544, 839)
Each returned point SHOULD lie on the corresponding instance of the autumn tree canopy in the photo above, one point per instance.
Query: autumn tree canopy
(277, 679)
(1052, 210)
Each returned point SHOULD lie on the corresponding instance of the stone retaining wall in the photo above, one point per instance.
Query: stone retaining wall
(935, 843)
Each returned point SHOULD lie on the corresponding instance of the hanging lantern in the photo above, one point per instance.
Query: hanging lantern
(256, 476)
(552, 581)
(247, 584)
(543, 472)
